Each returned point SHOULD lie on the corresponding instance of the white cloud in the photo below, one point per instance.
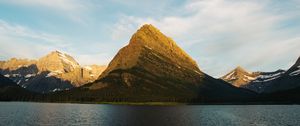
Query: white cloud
(17, 31)
(23, 42)
(93, 58)
(221, 34)
(20, 41)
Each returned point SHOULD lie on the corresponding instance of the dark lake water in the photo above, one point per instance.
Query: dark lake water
(23, 113)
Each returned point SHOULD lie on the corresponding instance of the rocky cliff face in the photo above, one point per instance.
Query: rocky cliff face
(152, 66)
(14, 63)
(53, 72)
(57, 62)
(149, 39)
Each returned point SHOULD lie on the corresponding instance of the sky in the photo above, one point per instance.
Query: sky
(259, 35)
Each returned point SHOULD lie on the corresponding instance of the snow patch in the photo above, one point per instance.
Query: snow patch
(19, 82)
(54, 73)
(6, 75)
(249, 78)
(16, 75)
(229, 77)
(295, 73)
(65, 59)
(269, 77)
(56, 89)
(29, 75)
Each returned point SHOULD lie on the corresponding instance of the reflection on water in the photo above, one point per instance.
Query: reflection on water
(22, 113)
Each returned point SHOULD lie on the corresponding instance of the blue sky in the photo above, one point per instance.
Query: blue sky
(219, 34)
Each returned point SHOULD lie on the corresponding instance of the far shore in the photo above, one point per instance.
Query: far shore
(162, 103)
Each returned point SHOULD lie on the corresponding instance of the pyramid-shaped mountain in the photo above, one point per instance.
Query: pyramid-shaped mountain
(152, 67)
(240, 77)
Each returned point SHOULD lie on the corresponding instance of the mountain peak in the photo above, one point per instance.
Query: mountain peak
(148, 27)
(240, 69)
(14, 63)
(57, 61)
(149, 40)
(149, 35)
(239, 76)
(55, 52)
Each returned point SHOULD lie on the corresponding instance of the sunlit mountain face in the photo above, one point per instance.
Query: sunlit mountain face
(54, 72)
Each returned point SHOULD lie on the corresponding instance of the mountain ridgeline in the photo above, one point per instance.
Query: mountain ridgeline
(54, 72)
(280, 85)
(151, 68)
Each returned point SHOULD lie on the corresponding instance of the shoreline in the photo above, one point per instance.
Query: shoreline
(161, 103)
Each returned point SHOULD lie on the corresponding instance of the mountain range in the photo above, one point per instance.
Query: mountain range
(54, 72)
(151, 68)
(265, 82)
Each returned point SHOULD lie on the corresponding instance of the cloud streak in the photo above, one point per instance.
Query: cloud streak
(74, 9)
(21, 41)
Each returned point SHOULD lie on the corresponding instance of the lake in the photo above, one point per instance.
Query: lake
(27, 113)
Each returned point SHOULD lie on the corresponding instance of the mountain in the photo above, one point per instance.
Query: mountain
(240, 77)
(14, 63)
(264, 80)
(92, 72)
(152, 67)
(54, 72)
(57, 62)
(255, 81)
(4, 81)
(10, 91)
(287, 81)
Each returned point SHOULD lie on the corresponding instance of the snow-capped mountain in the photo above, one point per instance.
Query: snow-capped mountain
(57, 63)
(266, 82)
(239, 77)
(255, 81)
(53, 72)
(278, 81)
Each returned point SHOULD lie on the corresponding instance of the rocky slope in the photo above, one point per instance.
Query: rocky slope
(286, 81)
(152, 67)
(53, 72)
(264, 80)
(11, 91)
(4, 81)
